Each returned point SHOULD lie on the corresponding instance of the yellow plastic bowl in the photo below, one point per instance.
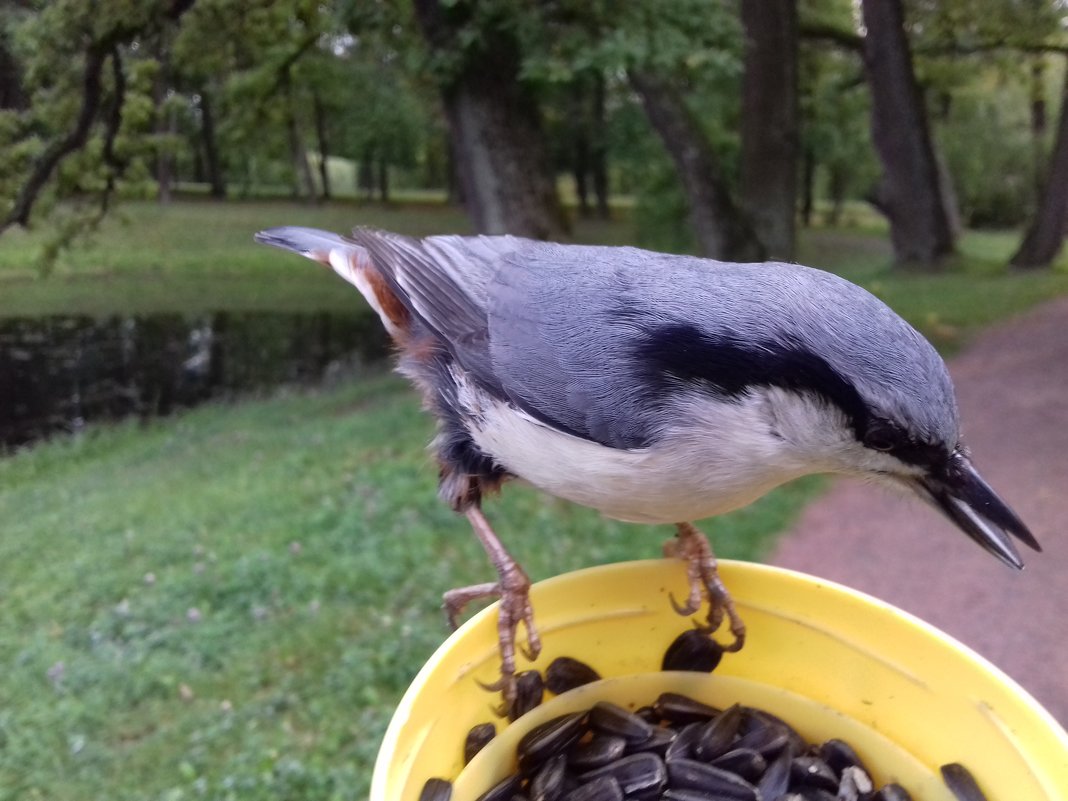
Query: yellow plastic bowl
(831, 661)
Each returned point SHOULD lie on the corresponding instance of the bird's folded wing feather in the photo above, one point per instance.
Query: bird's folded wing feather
(443, 281)
(535, 324)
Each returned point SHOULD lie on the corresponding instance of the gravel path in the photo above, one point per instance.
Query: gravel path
(1012, 384)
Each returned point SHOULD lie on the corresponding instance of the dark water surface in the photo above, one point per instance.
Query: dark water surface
(59, 373)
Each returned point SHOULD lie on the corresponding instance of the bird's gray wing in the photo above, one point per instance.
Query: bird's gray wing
(611, 344)
(442, 280)
(544, 327)
(565, 322)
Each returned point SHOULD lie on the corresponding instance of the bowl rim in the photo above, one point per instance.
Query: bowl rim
(792, 578)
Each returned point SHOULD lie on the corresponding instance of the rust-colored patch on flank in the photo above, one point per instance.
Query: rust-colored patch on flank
(387, 301)
(423, 349)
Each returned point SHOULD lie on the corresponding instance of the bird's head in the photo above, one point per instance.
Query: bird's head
(899, 448)
(889, 414)
(840, 384)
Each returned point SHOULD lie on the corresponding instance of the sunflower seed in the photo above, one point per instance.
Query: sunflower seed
(855, 784)
(502, 791)
(605, 788)
(530, 690)
(747, 763)
(599, 750)
(613, 719)
(657, 743)
(677, 708)
(892, 792)
(548, 782)
(961, 782)
(692, 650)
(811, 771)
(839, 755)
(687, 737)
(776, 779)
(550, 738)
(436, 790)
(477, 739)
(688, 774)
(565, 673)
(717, 736)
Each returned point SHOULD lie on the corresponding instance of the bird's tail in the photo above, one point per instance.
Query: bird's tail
(349, 260)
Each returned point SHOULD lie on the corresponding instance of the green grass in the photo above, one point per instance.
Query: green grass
(228, 604)
(949, 306)
(199, 256)
(306, 533)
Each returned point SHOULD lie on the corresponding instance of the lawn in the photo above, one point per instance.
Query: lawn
(198, 256)
(228, 604)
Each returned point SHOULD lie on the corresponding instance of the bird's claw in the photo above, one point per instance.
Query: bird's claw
(513, 590)
(686, 609)
(454, 601)
(703, 577)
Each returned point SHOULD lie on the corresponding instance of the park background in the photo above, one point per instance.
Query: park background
(221, 553)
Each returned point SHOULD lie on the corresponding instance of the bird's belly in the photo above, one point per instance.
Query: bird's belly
(681, 477)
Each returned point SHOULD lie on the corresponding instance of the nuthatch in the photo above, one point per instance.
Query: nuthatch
(656, 389)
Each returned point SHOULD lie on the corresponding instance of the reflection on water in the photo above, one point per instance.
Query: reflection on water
(58, 373)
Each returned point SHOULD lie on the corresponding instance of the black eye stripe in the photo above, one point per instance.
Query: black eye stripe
(887, 436)
(731, 367)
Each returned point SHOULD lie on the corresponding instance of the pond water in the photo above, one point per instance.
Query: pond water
(59, 373)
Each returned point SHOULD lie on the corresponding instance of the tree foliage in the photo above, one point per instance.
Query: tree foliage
(136, 97)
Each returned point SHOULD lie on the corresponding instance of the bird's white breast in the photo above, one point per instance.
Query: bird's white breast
(716, 457)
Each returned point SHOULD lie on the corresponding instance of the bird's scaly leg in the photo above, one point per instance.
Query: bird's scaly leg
(692, 546)
(513, 589)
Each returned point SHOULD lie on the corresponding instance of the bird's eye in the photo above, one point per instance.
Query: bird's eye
(879, 438)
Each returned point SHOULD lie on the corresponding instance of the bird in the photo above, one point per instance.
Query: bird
(655, 388)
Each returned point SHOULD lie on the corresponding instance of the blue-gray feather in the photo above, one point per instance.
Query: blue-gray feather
(568, 332)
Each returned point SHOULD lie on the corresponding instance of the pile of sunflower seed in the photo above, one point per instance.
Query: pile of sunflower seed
(677, 749)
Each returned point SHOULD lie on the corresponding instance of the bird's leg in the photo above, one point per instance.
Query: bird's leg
(513, 589)
(692, 546)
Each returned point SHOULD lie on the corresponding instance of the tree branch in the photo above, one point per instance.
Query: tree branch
(95, 55)
(59, 150)
(281, 71)
(990, 46)
(822, 32)
(116, 166)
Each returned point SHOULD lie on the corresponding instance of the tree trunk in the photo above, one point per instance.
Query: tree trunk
(580, 167)
(212, 165)
(365, 174)
(503, 161)
(770, 127)
(722, 230)
(1046, 233)
(837, 184)
(164, 126)
(12, 95)
(383, 180)
(808, 186)
(303, 184)
(324, 145)
(580, 145)
(910, 193)
(455, 187)
(599, 149)
(1038, 124)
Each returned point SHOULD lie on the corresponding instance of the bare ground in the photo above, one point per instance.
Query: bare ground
(1012, 384)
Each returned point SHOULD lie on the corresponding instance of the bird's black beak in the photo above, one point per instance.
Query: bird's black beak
(960, 492)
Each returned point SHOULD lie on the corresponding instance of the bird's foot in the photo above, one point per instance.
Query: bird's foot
(513, 590)
(693, 547)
